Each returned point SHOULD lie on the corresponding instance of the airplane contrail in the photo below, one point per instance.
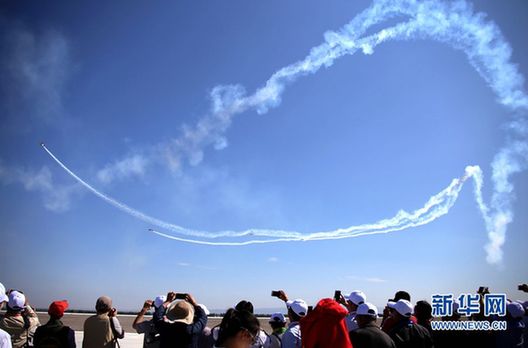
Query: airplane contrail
(453, 23)
(437, 206)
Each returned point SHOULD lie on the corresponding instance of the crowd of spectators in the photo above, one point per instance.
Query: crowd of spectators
(178, 321)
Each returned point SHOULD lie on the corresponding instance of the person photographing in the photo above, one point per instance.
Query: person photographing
(180, 321)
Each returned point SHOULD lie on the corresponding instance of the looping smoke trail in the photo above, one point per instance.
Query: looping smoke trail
(452, 23)
(437, 206)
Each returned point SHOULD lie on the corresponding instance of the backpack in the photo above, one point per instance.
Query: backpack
(54, 338)
(276, 339)
(50, 342)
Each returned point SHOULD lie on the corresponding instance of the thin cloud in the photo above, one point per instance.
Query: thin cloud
(366, 279)
(55, 197)
(186, 264)
(273, 259)
(35, 68)
(133, 165)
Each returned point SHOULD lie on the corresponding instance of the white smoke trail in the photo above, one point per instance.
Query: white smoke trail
(453, 23)
(437, 206)
(157, 222)
(202, 242)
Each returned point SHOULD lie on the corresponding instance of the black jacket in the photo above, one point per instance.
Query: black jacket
(371, 336)
(407, 334)
(54, 333)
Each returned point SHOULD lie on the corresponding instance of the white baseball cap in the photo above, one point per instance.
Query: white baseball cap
(367, 309)
(515, 309)
(158, 301)
(357, 297)
(16, 300)
(298, 306)
(3, 296)
(277, 318)
(403, 307)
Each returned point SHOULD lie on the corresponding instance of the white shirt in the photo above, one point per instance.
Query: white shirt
(292, 336)
(5, 339)
(263, 340)
(351, 322)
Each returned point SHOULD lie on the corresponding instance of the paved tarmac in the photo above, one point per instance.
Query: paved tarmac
(75, 321)
(132, 339)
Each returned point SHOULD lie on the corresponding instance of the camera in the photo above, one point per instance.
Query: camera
(483, 290)
(275, 293)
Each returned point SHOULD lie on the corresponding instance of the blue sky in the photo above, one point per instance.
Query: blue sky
(107, 86)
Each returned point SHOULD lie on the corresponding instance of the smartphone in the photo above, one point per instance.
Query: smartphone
(310, 308)
(181, 296)
(275, 293)
(520, 287)
(337, 295)
(483, 290)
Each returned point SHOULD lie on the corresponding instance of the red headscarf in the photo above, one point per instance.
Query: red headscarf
(325, 326)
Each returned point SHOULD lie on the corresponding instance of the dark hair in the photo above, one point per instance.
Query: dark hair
(401, 295)
(366, 318)
(423, 310)
(245, 306)
(277, 324)
(13, 310)
(233, 322)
